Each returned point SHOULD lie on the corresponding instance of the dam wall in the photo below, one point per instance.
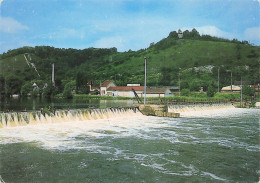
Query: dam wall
(12, 119)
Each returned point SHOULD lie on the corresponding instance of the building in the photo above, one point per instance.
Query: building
(158, 92)
(125, 91)
(228, 89)
(109, 88)
(180, 34)
(105, 85)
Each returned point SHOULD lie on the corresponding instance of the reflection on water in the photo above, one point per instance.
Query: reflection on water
(20, 104)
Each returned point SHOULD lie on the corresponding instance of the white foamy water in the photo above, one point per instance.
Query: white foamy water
(60, 135)
(158, 143)
(214, 111)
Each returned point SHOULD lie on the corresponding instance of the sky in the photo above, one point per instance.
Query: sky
(124, 24)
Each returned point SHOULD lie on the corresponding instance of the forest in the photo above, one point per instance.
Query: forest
(194, 60)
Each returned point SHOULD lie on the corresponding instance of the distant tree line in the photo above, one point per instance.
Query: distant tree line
(74, 68)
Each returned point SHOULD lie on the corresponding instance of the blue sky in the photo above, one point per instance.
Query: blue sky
(125, 24)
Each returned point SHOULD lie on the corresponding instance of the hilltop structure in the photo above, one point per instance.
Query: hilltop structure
(180, 34)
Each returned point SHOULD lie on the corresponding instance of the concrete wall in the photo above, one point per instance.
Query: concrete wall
(150, 110)
(157, 110)
(154, 95)
(125, 93)
(103, 90)
(139, 93)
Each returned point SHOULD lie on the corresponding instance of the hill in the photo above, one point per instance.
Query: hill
(194, 58)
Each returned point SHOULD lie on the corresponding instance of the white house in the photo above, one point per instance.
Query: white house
(105, 85)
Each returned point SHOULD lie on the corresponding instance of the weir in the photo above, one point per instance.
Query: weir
(12, 119)
(197, 107)
(37, 117)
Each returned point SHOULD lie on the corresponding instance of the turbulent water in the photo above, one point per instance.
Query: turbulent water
(219, 145)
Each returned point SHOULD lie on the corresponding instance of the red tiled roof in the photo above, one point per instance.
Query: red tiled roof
(105, 83)
(126, 88)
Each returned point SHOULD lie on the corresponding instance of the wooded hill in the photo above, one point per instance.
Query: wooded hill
(194, 58)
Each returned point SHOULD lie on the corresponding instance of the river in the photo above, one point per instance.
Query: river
(126, 146)
(32, 104)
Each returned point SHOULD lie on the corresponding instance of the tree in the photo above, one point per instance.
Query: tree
(2, 86)
(67, 93)
(186, 34)
(151, 44)
(80, 82)
(173, 35)
(166, 76)
(195, 85)
(12, 85)
(69, 87)
(49, 91)
(185, 92)
(26, 89)
(211, 90)
(247, 90)
(194, 34)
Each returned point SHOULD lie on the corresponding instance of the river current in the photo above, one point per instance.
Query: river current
(207, 146)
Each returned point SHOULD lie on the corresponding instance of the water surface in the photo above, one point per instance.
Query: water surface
(131, 147)
(31, 104)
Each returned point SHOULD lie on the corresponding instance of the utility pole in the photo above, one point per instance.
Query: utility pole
(241, 89)
(179, 82)
(144, 80)
(218, 79)
(52, 79)
(231, 81)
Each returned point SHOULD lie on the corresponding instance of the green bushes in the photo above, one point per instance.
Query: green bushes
(248, 90)
(26, 89)
(68, 89)
(211, 91)
(227, 96)
(185, 92)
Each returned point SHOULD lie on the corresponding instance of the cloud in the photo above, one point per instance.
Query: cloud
(9, 25)
(213, 31)
(252, 33)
